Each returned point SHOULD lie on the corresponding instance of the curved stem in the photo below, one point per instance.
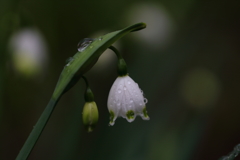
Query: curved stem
(116, 52)
(86, 81)
(122, 66)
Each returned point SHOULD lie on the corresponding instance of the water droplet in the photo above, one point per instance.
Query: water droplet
(225, 158)
(145, 100)
(82, 45)
(129, 82)
(131, 101)
(100, 38)
(70, 59)
(140, 104)
(235, 154)
(119, 91)
(237, 148)
(124, 88)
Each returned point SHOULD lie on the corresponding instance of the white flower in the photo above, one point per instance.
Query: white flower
(29, 52)
(126, 99)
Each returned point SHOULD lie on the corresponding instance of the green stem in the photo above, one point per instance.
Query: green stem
(119, 56)
(37, 130)
(86, 81)
(122, 66)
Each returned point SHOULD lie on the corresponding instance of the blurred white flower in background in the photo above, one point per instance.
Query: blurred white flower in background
(159, 24)
(126, 99)
(29, 52)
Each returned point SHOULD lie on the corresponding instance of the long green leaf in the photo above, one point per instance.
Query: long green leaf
(81, 62)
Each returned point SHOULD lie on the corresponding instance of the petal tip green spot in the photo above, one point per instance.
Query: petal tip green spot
(145, 113)
(112, 115)
(130, 114)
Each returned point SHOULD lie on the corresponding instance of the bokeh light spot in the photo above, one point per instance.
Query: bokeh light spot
(200, 88)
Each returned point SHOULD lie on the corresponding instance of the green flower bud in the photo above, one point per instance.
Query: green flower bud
(90, 115)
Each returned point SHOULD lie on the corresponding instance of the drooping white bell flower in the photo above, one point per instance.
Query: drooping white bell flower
(126, 100)
(29, 52)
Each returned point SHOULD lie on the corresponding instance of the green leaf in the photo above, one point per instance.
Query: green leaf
(80, 64)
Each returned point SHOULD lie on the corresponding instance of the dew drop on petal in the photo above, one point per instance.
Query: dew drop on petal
(119, 91)
(145, 100)
(129, 82)
(83, 44)
(131, 101)
(124, 88)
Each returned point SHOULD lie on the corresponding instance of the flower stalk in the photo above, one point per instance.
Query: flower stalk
(90, 110)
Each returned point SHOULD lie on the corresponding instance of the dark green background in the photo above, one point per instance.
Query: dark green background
(204, 39)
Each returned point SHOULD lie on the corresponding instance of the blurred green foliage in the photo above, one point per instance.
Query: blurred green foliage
(201, 39)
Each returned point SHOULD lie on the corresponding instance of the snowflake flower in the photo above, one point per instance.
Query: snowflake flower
(126, 100)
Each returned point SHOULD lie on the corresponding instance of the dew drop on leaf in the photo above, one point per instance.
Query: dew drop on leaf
(82, 45)
(69, 60)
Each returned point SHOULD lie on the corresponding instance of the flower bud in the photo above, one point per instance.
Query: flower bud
(90, 115)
